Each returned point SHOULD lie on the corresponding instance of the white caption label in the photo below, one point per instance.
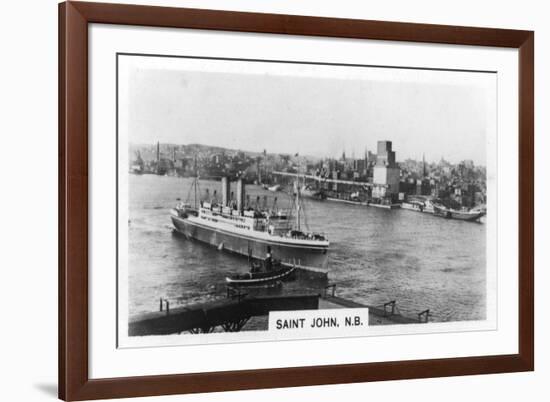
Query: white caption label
(345, 320)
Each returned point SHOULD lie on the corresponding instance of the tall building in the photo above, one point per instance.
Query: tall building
(360, 166)
(386, 172)
(385, 156)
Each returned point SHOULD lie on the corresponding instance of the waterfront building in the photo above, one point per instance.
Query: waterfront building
(360, 167)
(386, 173)
(335, 176)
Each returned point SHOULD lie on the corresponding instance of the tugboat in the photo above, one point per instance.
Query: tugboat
(262, 272)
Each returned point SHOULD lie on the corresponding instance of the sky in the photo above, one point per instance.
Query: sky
(313, 110)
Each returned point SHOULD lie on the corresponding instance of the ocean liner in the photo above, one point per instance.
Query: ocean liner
(234, 227)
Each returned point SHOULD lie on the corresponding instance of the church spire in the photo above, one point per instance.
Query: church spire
(423, 166)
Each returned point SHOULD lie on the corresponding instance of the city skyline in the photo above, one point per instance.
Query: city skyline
(321, 157)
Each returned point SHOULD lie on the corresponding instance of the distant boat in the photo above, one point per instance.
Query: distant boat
(136, 169)
(354, 196)
(463, 215)
(425, 206)
(276, 187)
(137, 166)
(309, 192)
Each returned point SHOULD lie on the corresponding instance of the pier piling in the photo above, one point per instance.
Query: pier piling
(424, 316)
(333, 286)
(392, 304)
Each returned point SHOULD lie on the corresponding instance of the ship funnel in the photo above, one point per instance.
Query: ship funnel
(225, 191)
(240, 194)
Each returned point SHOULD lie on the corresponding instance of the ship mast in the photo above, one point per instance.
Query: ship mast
(297, 183)
(194, 186)
(196, 180)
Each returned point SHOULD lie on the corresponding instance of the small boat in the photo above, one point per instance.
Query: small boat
(309, 192)
(467, 215)
(276, 187)
(463, 215)
(420, 206)
(263, 277)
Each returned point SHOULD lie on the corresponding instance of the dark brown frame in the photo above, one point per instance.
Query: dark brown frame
(74, 17)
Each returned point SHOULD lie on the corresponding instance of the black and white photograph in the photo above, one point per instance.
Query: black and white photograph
(263, 200)
(275, 200)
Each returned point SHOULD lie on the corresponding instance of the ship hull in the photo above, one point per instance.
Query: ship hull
(427, 209)
(466, 216)
(310, 258)
(364, 203)
(461, 216)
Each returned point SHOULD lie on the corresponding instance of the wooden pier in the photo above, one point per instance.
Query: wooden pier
(233, 313)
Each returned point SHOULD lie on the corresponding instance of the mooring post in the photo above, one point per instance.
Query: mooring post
(167, 307)
(422, 313)
(161, 304)
(333, 286)
(241, 296)
(392, 304)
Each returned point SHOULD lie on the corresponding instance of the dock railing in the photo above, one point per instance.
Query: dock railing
(235, 293)
(331, 286)
(391, 304)
(164, 302)
(424, 316)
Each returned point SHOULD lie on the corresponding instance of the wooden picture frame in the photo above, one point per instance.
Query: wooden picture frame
(74, 381)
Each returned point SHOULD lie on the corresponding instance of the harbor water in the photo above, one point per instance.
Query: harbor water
(375, 255)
